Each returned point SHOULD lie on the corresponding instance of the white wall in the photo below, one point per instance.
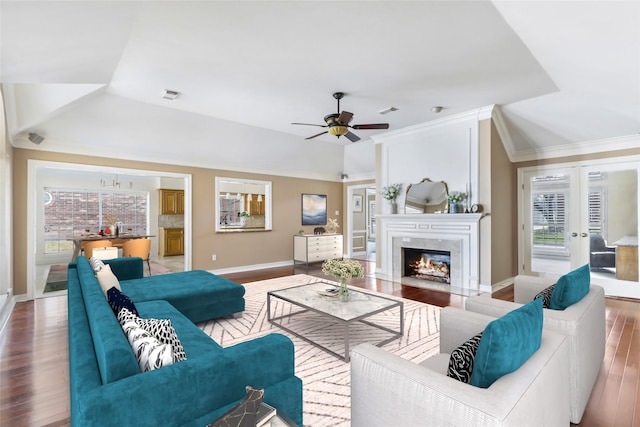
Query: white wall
(442, 150)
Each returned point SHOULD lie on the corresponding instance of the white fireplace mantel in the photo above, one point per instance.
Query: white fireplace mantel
(460, 230)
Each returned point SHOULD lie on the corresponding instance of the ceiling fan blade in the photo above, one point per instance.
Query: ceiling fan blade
(321, 133)
(352, 137)
(345, 117)
(372, 126)
(309, 124)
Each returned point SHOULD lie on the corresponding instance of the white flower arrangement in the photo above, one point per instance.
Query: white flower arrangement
(346, 269)
(391, 192)
(456, 197)
(332, 225)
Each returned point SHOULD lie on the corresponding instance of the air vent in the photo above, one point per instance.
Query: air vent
(170, 94)
(388, 110)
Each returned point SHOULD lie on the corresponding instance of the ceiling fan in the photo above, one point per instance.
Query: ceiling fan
(338, 123)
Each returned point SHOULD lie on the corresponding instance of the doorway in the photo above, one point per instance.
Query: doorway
(583, 213)
(38, 263)
(361, 222)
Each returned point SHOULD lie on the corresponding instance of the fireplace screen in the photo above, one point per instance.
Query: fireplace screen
(426, 264)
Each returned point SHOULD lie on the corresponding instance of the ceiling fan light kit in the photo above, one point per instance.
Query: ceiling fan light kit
(338, 123)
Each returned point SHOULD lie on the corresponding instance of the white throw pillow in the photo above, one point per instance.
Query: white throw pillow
(96, 264)
(150, 353)
(107, 279)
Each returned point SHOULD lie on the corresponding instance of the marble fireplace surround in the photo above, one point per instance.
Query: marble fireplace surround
(458, 234)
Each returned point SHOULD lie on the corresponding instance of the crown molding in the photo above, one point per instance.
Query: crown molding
(580, 148)
(503, 131)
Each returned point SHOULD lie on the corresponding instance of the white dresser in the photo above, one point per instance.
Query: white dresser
(316, 247)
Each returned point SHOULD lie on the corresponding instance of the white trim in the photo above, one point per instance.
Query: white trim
(244, 268)
(348, 212)
(503, 132)
(580, 148)
(5, 311)
(34, 165)
(363, 176)
(593, 162)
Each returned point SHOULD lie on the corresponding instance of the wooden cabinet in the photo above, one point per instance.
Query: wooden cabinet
(171, 202)
(627, 263)
(172, 242)
(313, 248)
(255, 204)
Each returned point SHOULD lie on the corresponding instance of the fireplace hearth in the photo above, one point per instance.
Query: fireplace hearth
(424, 264)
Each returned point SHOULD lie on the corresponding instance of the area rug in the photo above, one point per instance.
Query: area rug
(57, 276)
(326, 379)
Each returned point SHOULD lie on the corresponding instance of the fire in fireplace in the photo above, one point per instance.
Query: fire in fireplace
(424, 264)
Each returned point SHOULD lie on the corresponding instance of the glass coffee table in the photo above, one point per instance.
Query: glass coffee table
(318, 319)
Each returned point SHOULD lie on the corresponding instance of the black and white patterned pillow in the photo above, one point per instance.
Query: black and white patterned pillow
(461, 360)
(96, 264)
(160, 329)
(150, 353)
(545, 294)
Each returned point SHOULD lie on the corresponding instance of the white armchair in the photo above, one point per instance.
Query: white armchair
(387, 390)
(583, 323)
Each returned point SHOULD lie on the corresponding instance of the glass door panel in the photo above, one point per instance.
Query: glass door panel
(613, 224)
(549, 222)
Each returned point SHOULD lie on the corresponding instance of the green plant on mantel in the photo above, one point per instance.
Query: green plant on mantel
(456, 197)
(391, 192)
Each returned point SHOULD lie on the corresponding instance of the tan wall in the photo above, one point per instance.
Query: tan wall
(497, 190)
(504, 196)
(232, 249)
(484, 199)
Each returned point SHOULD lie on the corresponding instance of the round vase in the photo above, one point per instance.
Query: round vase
(343, 291)
(455, 208)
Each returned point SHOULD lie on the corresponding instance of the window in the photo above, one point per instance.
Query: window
(549, 221)
(597, 198)
(68, 213)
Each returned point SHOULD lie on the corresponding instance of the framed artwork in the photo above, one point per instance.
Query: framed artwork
(314, 209)
(357, 203)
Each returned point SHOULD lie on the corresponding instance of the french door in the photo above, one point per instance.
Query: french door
(580, 214)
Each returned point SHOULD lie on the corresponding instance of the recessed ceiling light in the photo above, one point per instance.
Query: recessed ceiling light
(436, 109)
(170, 94)
(387, 110)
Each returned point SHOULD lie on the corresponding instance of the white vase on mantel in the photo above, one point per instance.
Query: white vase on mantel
(394, 207)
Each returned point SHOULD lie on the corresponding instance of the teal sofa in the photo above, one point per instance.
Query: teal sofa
(106, 385)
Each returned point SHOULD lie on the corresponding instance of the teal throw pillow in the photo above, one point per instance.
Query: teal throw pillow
(571, 288)
(507, 343)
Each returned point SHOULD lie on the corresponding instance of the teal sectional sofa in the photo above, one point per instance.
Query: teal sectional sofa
(106, 385)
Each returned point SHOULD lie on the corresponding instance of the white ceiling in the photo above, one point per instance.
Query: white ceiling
(565, 74)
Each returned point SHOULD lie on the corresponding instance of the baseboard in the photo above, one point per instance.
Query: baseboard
(5, 311)
(244, 268)
(498, 286)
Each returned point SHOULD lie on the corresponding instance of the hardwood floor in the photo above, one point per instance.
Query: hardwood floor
(34, 364)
